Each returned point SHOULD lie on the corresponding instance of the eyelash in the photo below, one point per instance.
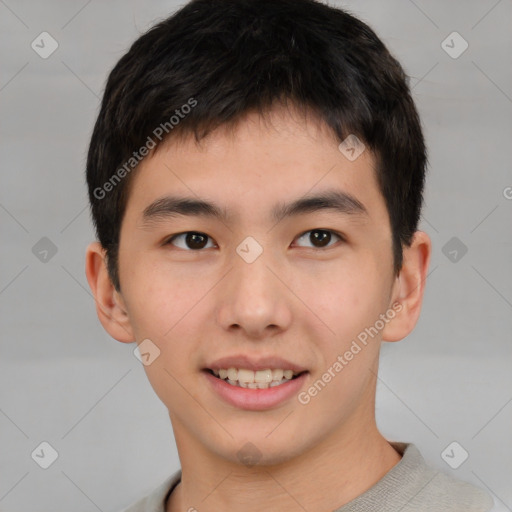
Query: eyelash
(341, 237)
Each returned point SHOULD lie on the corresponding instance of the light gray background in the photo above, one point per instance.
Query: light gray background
(65, 381)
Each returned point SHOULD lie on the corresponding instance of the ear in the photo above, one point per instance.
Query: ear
(408, 288)
(110, 305)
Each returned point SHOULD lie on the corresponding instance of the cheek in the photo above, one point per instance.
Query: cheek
(157, 298)
(337, 287)
(348, 296)
(167, 309)
(164, 314)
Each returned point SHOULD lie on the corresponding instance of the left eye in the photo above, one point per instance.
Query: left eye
(319, 237)
(193, 239)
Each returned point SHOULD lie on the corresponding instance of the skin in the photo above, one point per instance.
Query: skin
(301, 301)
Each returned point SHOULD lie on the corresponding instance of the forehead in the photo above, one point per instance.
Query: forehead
(261, 163)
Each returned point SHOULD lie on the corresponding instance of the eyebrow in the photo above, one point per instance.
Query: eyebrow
(330, 200)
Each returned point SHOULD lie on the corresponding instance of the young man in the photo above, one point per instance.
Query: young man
(255, 176)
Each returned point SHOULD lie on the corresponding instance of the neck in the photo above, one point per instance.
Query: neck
(332, 473)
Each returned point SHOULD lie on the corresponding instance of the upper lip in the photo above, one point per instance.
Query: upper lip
(255, 364)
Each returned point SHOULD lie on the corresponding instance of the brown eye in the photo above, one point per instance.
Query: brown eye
(193, 240)
(319, 238)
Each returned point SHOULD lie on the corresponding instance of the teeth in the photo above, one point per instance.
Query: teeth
(256, 385)
(246, 376)
(278, 374)
(260, 379)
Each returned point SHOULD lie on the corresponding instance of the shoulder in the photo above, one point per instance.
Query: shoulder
(436, 490)
(444, 492)
(414, 486)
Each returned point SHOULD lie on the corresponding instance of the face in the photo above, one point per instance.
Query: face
(302, 287)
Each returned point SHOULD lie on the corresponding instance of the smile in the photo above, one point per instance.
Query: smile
(260, 379)
(257, 395)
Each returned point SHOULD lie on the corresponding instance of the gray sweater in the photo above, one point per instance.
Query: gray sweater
(409, 486)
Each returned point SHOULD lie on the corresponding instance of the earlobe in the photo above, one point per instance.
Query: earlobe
(110, 306)
(409, 288)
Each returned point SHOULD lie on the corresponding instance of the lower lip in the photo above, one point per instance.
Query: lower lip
(255, 399)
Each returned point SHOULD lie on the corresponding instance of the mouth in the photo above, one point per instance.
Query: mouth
(261, 379)
(257, 390)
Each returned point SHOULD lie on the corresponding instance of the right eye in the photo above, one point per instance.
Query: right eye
(193, 240)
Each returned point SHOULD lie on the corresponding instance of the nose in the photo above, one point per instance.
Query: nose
(253, 300)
